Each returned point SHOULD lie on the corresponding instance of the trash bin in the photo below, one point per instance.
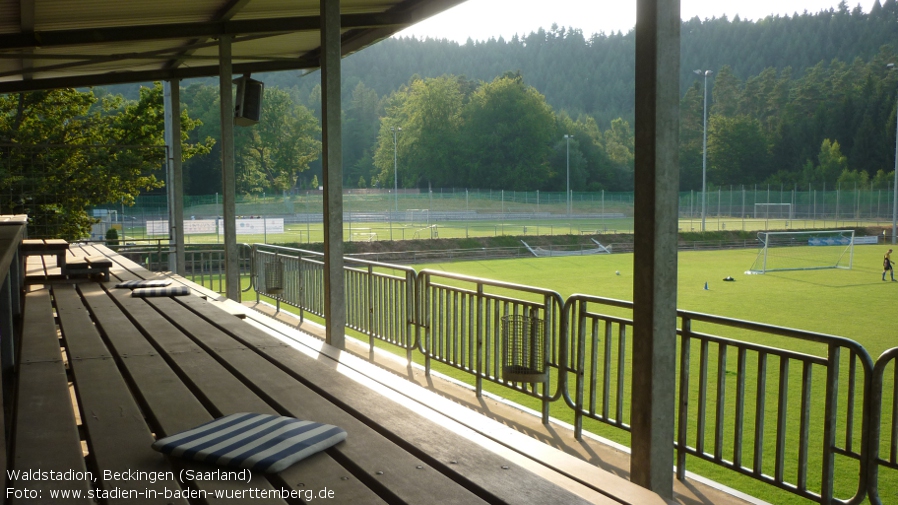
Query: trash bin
(274, 277)
(525, 360)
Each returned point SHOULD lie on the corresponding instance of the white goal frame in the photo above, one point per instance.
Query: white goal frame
(762, 210)
(784, 240)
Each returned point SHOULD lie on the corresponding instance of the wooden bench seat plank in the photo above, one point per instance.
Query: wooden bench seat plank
(228, 395)
(46, 436)
(409, 478)
(513, 485)
(40, 341)
(169, 402)
(118, 436)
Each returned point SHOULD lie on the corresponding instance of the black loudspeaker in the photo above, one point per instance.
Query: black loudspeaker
(248, 107)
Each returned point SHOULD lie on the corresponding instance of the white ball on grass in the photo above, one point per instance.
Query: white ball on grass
(617, 272)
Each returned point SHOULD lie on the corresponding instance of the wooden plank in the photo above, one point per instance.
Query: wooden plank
(46, 435)
(409, 478)
(125, 269)
(224, 394)
(564, 468)
(34, 269)
(117, 433)
(170, 404)
(484, 470)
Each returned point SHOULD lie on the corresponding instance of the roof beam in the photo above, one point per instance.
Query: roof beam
(91, 36)
(26, 25)
(83, 60)
(226, 13)
(90, 80)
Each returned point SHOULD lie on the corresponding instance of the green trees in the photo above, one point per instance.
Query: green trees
(271, 154)
(67, 150)
(500, 135)
(509, 130)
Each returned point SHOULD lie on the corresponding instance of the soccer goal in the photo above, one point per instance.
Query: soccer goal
(803, 250)
(773, 211)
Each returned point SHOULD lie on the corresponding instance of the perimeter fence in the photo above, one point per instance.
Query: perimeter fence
(370, 215)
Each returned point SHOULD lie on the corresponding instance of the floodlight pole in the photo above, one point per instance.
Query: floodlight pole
(395, 131)
(895, 185)
(567, 139)
(706, 73)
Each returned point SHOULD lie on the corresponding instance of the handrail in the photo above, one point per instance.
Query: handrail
(454, 319)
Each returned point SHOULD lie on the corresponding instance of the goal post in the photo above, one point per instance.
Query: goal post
(803, 250)
(773, 211)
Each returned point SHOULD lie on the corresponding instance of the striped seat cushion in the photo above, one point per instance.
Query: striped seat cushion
(169, 291)
(156, 283)
(259, 442)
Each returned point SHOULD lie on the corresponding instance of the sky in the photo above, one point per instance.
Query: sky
(482, 19)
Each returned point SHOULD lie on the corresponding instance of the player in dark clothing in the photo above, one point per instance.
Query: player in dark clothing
(887, 265)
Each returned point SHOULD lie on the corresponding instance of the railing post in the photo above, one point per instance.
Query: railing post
(425, 320)
(253, 274)
(581, 359)
(547, 326)
(829, 426)
(370, 312)
(479, 375)
(683, 421)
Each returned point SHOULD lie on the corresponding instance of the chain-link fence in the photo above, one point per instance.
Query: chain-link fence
(372, 215)
(59, 186)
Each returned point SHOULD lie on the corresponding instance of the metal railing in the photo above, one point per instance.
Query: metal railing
(369, 288)
(735, 418)
(791, 418)
(460, 319)
(203, 263)
(884, 435)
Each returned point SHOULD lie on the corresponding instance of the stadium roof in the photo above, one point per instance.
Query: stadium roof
(47, 44)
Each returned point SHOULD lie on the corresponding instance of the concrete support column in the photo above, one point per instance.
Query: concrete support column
(228, 177)
(172, 103)
(655, 248)
(332, 171)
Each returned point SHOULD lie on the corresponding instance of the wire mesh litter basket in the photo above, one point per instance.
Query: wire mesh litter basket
(525, 340)
(274, 277)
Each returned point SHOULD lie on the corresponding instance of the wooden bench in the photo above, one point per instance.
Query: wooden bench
(88, 265)
(46, 247)
(146, 368)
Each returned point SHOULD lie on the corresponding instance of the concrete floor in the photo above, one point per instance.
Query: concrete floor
(693, 491)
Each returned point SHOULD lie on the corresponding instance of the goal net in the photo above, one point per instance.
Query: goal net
(773, 211)
(803, 250)
(539, 252)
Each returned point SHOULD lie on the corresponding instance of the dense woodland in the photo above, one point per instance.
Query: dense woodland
(799, 100)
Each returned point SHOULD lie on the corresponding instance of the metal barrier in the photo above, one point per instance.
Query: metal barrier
(738, 433)
(369, 288)
(878, 398)
(791, 418)
(591, 360)
(203, 263)
(461, 328)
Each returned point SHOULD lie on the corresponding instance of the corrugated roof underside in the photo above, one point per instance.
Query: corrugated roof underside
(80, 14)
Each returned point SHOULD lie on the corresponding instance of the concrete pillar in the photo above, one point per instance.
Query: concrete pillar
(228, 177)
(655, 248)
(332, 170)
(172, 102)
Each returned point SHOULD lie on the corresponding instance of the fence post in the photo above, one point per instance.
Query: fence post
(829, 426)
(683, 422)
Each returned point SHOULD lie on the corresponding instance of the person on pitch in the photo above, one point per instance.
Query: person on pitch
(888, 265)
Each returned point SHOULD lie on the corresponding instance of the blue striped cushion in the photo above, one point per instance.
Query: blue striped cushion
(259, 442)
(168, 291)
(155, 283)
